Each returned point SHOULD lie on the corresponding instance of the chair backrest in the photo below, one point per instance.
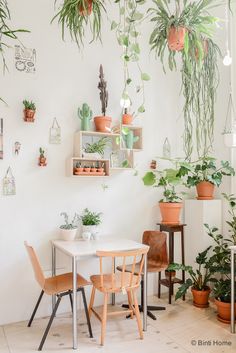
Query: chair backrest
(134, 276)
(38, 273)
(157, 255)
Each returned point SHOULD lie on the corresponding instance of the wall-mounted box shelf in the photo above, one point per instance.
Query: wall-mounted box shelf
(138, 131)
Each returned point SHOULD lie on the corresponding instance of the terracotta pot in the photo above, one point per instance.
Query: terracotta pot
(93, 170)
(127, 119)
(176, 37)
(223, 310)
(79, 170)
(100, 170)
(29, 115)
(205, 190)
(170, 212)
(42, 161)
(88, 8)
(170, 275)
(87, 170)
(102, 123)
(200, 297)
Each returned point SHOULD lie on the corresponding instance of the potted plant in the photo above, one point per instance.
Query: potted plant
(78, 168)
(127, 118)
(87, 169)
(77, 15)
(171, 203)
(90, 221)
(103, 123)
(129, 138)
(42, 158)
(69, 229)
(96, 150)
(29, 111)
(205, 175)
(198, 280)
(220, 263)
(85, 115)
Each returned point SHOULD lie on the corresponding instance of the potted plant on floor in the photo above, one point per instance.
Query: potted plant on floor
(171, 203)
(198, 280)
(69, 229)
(85, 115)
(205, 175)
(220, 263)
(29, 111)
(96, 150)
(90, 222)
(103, 123)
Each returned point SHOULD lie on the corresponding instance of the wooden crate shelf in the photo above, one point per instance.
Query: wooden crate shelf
(90, 163)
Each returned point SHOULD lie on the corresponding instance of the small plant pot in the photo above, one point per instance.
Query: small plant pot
(92, 229)
(29, 115)
(87, 170)
(170, 212)
(79, 170)
(92, 156)
(100, 170)
(176, 37)
(205, 190)
(170, 275)
(224, 312)
(93, 170)
(103, 123)
(68, 234)
(42, 161)
(88, 8)
(127, 119)
(200, 297)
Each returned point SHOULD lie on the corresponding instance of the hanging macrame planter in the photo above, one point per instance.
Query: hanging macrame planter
(9, 186)
(55, 133)
(230, 125)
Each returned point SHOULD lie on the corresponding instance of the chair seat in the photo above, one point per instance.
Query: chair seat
(63, 283)
(107, 282)
(150, 268)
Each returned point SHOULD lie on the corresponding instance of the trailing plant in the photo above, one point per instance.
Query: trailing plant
(90, 218)
(29, 105)
(97, 147)
(199, 278)
(78, 15)
(199, 64)
(70, 225)
(128, 32)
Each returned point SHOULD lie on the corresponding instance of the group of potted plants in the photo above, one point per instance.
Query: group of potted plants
(213, 269)
(204, 174)
(89, 168)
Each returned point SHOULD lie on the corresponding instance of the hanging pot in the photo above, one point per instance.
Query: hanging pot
(87, 10)
(200, 297)
(170, 212)
(205, 190)
(176, 38)
(29, 115)
(103, 123)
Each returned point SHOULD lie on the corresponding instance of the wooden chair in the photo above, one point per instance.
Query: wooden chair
(157, 261)
(60, 286)
(125, 282)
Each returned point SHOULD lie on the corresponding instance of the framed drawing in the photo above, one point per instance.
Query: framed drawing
(55, 133)
(25, 59)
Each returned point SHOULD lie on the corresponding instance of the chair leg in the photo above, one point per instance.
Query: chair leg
(71, 301)
(87, 313)
(137, 314)
(36, 308)
(130, 306)
(91, 301)
(49, 323)
(104, 318)
(159, 285)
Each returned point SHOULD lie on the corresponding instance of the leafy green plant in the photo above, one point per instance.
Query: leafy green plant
(97, 147)
(30, 105)
(167, 179)
(199, 278)
(205, 169)
(41, 153)
(75, 16)
(70, 225)
(90, 218)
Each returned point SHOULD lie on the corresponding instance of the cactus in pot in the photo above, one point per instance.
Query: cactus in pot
(85, 115)
(129, 138)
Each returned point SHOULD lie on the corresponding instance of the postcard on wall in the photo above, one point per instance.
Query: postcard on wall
(1, 138)
(25, 59)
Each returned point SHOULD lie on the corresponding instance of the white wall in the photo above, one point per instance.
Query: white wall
(66, 78)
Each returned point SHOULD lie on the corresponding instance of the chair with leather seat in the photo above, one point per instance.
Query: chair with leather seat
(157, 261)
(59, 286)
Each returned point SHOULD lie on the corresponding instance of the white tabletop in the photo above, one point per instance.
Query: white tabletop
(81, 248)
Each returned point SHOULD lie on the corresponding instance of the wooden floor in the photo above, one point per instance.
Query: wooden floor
(181, 328)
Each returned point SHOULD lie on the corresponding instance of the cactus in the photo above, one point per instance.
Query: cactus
(85, 114)
(129, 138)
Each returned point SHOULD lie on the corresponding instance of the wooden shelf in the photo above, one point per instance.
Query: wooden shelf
(89, 163)
(165, 282)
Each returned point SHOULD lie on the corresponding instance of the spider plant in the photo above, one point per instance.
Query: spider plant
(199, 64)
(77, 15)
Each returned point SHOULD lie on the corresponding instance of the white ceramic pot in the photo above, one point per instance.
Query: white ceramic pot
(86, 235)
(68, 234)
(92, 156)
(94, 230)
(230, 139)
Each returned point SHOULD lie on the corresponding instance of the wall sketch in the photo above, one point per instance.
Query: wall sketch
(25, 59)
(17, 147)
(1, 138)
(55, 133)
(9, 186)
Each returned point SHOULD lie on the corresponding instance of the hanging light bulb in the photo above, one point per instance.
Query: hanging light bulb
(125, 101)
(227, 61)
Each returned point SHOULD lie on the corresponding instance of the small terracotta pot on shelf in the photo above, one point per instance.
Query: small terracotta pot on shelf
(127, 119)
(29, 115)
(79, 170)
(170, 274)
(170, 212)
(88, 8)
(100, 170)
(205, 190)
(200, 297)
(87, 169)
(93, 170)
(176, 37)
(102, 123)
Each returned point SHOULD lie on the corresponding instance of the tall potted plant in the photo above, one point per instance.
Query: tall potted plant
(171, 203)
(69, 228)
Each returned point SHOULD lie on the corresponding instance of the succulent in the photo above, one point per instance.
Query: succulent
(30, 105)
(85, 115)
(41, 151)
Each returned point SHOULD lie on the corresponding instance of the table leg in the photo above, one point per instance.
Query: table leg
(113, 296)
(74, 323)
(232, 292)
(145, 294)
(183, 257)
(53, 273)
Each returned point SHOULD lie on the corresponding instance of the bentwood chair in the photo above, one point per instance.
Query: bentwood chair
(59, 286)
(124, 282)
(157, 261)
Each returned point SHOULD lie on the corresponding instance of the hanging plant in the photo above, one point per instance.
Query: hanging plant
(127, 29)
(77, 15)
(189, 30)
